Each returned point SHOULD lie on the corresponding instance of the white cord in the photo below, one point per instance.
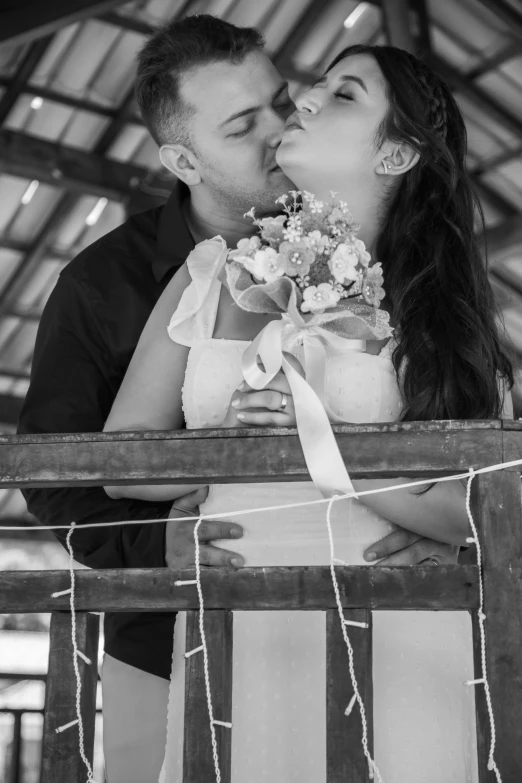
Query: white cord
(228, 514)
(205, 653)
(481, 619)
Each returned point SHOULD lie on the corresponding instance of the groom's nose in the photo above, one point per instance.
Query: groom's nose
(275, 133)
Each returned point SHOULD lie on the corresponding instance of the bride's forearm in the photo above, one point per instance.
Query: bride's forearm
(439, 513)
(152, 492)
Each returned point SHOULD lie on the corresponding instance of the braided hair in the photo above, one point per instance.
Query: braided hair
(452, 360)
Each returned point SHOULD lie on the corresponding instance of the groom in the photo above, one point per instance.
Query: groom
(219, 138)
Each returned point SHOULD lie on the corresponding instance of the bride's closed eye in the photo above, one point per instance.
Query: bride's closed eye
(343, 95)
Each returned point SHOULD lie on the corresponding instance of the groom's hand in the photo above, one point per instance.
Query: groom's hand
(402, 547)
(180, 549)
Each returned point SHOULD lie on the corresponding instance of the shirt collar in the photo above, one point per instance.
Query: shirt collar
(174, 240)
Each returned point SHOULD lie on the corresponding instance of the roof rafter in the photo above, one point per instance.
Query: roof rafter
(27, 156)
(25, 70)
(507, 13)
(33, 19)
(481, 99)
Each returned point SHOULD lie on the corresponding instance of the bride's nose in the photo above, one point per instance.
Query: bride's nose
(308, 102)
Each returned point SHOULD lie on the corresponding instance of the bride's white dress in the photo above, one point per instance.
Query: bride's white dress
(424, 715)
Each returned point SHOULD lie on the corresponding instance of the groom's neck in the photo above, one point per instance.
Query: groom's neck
(206, 219)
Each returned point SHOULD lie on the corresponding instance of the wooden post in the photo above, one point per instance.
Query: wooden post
(61, 760)
(198, 762)
(345, 760)
(497, 511)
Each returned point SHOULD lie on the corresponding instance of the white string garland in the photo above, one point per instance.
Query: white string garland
(372, 766)
(373, 769)
(492, 767)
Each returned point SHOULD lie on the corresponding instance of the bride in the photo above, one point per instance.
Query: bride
(383, 132)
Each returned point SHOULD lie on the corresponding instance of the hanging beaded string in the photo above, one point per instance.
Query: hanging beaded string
(205, 652)
(76, 654)
(492, 767)
(372, 766)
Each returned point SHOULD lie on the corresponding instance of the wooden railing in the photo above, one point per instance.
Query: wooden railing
(370, 451)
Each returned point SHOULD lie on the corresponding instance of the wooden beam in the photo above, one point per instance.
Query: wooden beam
(454, 587)
(345, 759)
(491, 108)
(396, 18)
(490, 63)
(504, 237)
(198, 761)
(507, 14)
(80, 104)
(496, 160)
(61, 761)
(497, 201)
(27, 156)
(126, 23)
(497, 510)
(28, 20)
(25, 70)
(243, 455)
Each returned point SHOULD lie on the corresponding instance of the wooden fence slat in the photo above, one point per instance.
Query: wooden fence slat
(274, 456)
(497, 511)
(61, 760)
(198, 763)
(345, 760)
(276, 588)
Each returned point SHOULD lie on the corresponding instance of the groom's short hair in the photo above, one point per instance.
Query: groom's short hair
(174, 50)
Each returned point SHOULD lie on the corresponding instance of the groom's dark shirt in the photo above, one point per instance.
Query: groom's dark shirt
(87, 335)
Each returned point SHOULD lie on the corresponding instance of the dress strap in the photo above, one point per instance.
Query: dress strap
(196, 313)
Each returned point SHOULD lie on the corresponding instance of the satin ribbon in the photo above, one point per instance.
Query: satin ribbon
(320, 449)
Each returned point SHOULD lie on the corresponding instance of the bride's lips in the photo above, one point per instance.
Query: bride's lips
(293, 123)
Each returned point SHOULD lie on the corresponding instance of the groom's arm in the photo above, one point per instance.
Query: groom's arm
(71, 390)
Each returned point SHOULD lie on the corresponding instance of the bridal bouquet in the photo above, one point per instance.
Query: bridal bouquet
(309, 261)
(308, 266)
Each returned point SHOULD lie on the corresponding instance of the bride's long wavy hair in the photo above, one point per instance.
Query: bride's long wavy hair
(450, 354)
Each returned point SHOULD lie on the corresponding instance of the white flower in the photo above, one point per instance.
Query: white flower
(343, 263)
(316, 241)
(266, 265)
(316, 299)
(360, 247)
(245, 250)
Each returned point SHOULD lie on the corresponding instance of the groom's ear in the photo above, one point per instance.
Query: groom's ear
(181, 162)
(399, 158)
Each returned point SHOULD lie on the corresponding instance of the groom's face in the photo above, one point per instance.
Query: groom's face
(237, 124)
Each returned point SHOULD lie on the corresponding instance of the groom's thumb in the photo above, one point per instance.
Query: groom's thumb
(193, 500)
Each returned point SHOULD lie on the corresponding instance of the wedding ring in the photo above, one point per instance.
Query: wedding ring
(284, 401)
(431, 561)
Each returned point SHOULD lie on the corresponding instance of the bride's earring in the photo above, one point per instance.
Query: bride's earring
(385, 166)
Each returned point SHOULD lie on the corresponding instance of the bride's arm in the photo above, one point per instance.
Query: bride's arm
(149, 397)
(439, 513)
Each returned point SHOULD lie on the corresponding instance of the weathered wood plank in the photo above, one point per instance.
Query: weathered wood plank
(250, 455)
(497, 510)
(304, 588)
(61, 760)
(198, 763)
(345, 759)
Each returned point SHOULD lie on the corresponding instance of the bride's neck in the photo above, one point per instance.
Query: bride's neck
(364, 210)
